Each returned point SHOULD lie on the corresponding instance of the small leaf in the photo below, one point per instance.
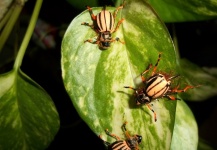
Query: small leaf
(94, 79)
(28, 117)
(185, 10)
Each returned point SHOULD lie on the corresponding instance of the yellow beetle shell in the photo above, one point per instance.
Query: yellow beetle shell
(105, 21)
(157, 86)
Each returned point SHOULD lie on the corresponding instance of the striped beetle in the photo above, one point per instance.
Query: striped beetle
(131, 143)
(103, 24)
(158, 85)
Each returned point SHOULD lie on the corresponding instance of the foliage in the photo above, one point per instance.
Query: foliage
(95, 79)
(29, 119)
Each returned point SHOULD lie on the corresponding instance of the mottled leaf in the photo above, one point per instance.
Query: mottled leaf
(28, 117)
(94, 79)
(185, 133)
(185, 10)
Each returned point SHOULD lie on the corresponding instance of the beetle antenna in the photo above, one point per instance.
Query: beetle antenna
(130, 87)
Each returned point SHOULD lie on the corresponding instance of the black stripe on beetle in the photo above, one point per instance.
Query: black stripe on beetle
(103, 24)
(158, 85)
(131, 143)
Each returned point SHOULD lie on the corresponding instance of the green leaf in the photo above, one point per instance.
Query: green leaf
(185, 10)
(94, 79)
(185, 135)
(29, 119)
(195, 75)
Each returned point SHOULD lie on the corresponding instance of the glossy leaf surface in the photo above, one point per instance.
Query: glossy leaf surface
(28, 117)
(94, 78)
(185, 10)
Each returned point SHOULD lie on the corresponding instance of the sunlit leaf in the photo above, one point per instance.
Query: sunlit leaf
(94, 78)
(28, 117)
(185, 10)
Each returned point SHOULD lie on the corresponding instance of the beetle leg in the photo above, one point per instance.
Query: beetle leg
(144, 72)
(130, 87)
(91, 41)
(91, 13)
(126, 132)
(176, 90)
(115, 14)
(118, 39)
(118, 25)
(87, 24)
(112, 135)
(155, 66)
(117, 9)
(106, 143)
(155, 116)
(172, 97)
(124, 126)
(173, 77)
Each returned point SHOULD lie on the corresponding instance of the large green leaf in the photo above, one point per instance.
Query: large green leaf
(28, 117)
(185, 135)
(185, 10)
(94, 79)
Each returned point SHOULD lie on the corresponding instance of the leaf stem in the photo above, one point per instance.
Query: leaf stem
(28, 35)
(15, 11)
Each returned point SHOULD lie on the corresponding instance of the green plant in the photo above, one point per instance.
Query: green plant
(29, 119)
(95, 79)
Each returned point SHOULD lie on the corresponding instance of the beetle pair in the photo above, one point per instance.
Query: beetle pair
(104, 26)
(131, 143)
(158, 85)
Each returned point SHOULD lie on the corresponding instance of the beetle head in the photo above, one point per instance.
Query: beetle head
(105, 40)
(104, 45)
(134, 141)
(141, 97)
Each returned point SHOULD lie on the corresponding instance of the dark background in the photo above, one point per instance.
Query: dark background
(197, 43)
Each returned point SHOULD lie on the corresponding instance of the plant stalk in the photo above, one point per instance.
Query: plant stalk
(28, 35)
(18, 6)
